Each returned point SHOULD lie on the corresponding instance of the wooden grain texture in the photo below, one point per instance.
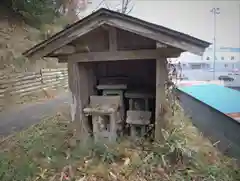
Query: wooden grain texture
(158, 36)
(22, 84)
(161, 78)
(112, 39)
(67, 38)
(12, 80)
(96, 20)
(119, 55)
(78, 77)
(54, 70)
(67, 49)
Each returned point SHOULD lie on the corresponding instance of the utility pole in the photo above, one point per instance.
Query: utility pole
(215, 12)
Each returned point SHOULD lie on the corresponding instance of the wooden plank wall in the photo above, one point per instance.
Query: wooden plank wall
(138, 72)
(23, 84)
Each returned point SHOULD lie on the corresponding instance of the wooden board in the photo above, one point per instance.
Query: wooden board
(119, 55)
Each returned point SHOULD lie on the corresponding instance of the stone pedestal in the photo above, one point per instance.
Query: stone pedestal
(138, 119)
(117, 93)
(104, 111)
(138, 115)
(116, 90)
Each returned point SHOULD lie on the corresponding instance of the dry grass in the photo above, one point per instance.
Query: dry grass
(52, 151)
(15, 38)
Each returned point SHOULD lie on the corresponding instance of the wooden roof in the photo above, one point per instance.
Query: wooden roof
(104, 16)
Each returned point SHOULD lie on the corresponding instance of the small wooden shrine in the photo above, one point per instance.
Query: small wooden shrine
(117, 70)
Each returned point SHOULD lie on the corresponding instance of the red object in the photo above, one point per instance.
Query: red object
(66, 177)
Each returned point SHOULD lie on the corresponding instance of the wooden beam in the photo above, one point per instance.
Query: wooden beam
(169, 52)
(161, 45)
(66, 38)
(119, 55)
(112, 39)
(158, 36)
(79, 29)
(67, 49)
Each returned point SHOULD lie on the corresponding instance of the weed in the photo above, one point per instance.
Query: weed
(52, 149)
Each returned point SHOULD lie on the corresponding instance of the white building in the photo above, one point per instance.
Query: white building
(227, 59)
(223, 54)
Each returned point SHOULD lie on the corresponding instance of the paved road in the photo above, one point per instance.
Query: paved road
(27, 115)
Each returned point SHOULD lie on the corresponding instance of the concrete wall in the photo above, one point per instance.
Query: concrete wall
(213, 124)
(235, 88)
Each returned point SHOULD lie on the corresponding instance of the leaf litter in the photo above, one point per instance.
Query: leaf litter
(52, 151)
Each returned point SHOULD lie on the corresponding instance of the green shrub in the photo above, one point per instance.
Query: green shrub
(35, 12)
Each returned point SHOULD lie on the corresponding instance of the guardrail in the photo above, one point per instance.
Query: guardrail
(23, 84)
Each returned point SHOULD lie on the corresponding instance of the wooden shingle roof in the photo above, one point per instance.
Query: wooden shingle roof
(122, 21)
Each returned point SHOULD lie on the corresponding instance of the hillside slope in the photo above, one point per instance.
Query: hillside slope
(16, 37)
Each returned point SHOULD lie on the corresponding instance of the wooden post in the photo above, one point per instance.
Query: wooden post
(78, 76)
(71, 89)
(161, 77)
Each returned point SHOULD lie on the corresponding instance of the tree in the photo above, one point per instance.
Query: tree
(72, 8)
(38, 12)
(34, 12)
(125, 6)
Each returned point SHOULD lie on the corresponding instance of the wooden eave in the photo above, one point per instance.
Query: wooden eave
(104, 16)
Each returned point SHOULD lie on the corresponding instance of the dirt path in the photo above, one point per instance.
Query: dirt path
(27, 115)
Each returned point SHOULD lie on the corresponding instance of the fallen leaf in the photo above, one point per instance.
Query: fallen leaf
(82, 179)
(127, 161)
(162, 172)
(113, 175)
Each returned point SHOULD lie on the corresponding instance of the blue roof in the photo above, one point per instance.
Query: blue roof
(221, 98)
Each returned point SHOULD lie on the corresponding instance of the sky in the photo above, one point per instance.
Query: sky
(190, 17)
(194, 18)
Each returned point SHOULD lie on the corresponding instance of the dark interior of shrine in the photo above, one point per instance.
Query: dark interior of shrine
(139, 77)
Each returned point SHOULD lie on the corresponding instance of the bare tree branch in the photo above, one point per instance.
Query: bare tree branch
(106, 4)
(99, 5)
(125, 6)
(130, 10)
